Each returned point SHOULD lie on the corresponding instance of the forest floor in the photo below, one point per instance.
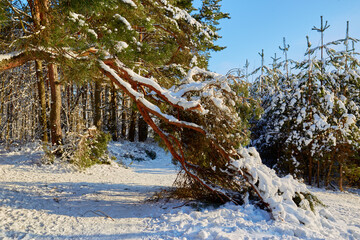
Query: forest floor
(112, 202)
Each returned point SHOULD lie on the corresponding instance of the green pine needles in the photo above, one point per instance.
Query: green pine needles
(91, 150)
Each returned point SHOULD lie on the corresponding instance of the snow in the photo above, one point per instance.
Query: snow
(350, 120)
(131, 3)
(77, 17)
(124, 20)
(120, 45)
(109, 202)
(91, 31)
(9, 55)
(179, 13)
(140, 97)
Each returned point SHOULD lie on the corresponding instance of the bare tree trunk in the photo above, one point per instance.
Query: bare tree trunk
(143, 129)
(123, 116)
(327, 182)
(97, 105)
(113, 112)
(318, 174)
(310, 170)
(131, 136)
(341, 177)
(9, 120)
(2, 104)
(42, 100)
(55, 109)
(84, 105)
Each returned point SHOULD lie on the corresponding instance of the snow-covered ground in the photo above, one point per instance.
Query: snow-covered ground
(110, 202)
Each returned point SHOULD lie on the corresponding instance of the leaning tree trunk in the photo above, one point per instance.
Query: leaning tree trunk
(55, 107)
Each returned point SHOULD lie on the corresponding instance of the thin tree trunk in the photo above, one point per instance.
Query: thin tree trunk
(113, 110)
(9, 120)
(2, 104)
(106, 109)
(143, 129)
(97, 105)
(42, 100)
(84, 105)
(131, 136)
(310, 170)
(68, 106)
(318, 174)
(55, 109)
(327, 182)
(124, 117)
(341, 178)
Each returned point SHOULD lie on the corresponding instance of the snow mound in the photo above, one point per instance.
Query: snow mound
(280, 194)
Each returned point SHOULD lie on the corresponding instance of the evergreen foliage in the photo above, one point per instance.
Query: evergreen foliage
(91, 149)
(310, 125)
(81, 150)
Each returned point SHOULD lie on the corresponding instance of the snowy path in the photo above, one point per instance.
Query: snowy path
(347, 208)
(53, 202)
(49, 202)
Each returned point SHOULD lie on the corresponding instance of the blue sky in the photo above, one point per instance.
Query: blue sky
(262, 24)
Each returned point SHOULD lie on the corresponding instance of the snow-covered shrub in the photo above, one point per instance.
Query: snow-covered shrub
(91, 149)
(81, 150)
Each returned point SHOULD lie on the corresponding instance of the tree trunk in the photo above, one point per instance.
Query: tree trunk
(2, 104)
(9, 120)
(341, 178)
(97, 105)
(113, 110)
(143, 129)
(327, 182)
(55, 108)
(124, 117)
(131, 136)
(318, 174)
(84, 105)
(42, 100)
(310, 171)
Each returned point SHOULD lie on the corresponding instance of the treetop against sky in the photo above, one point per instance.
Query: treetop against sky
(262, 24)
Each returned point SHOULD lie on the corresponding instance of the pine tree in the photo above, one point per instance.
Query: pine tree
(309, 125)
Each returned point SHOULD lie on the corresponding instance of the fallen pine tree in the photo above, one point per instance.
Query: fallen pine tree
(204, 111)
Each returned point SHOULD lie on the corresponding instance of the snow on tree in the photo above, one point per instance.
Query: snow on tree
(131, 44)
(227, 169)
(310, 125)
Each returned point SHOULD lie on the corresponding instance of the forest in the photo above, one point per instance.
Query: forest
(76, 75)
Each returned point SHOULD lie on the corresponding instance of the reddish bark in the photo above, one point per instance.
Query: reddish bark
(170, 141)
